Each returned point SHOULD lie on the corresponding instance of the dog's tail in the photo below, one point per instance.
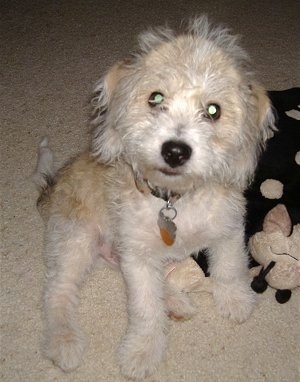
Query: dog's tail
(44, 174)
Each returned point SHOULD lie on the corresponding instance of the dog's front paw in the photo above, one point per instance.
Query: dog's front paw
(140, 354)
(235, 301)
(65, 348)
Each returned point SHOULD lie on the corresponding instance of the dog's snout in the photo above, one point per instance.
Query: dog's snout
(176, 153)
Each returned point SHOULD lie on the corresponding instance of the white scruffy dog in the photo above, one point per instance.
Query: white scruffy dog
(178, 130)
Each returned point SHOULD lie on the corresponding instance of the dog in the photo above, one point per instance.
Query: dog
(178, 129)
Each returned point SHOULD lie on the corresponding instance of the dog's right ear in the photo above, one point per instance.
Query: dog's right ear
(266, 118)
(106, 143)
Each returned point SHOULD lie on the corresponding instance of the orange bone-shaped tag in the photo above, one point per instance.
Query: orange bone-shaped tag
(167, 229)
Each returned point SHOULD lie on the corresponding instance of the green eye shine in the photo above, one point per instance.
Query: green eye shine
(213, 111)
(156, 98)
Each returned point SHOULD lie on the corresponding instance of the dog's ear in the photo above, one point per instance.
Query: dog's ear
(266, 119)
(106, 142)
(261, 122)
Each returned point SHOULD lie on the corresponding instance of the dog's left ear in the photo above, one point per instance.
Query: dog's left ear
(106, 143)
(266, 119)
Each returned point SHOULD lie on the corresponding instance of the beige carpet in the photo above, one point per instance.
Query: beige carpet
(51, 54)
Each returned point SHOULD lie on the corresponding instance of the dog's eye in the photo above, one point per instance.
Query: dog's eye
(156, 98)
(213, 111)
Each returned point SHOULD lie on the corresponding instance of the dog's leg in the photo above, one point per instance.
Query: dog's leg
(144, 343)
(229, 271)
(70, 252)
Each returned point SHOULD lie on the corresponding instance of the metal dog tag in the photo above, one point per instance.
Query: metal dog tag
(166, 225)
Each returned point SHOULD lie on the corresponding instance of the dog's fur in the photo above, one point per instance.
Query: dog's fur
(101, 205)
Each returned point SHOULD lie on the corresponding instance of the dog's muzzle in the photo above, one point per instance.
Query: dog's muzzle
(176, 153)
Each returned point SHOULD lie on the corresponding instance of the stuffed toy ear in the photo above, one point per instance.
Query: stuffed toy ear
(266, 119)
(278, 220)
(106, 142)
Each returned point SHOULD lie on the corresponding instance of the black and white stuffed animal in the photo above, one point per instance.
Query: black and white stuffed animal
(273, 210)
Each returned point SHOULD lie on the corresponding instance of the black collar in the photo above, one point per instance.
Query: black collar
(144, 186)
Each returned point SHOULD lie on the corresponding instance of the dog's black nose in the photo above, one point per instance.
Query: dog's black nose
(175, 153)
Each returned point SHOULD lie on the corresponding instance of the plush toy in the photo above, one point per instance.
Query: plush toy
(277, 249)
(273, 203)
(183, 277)
(187, 276)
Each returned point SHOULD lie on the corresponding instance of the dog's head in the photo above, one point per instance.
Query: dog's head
(183, 110)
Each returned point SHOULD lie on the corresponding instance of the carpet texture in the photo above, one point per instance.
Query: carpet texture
(52, 53)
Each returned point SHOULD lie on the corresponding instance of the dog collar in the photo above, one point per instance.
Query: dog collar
(144, 186)
(167, 214)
